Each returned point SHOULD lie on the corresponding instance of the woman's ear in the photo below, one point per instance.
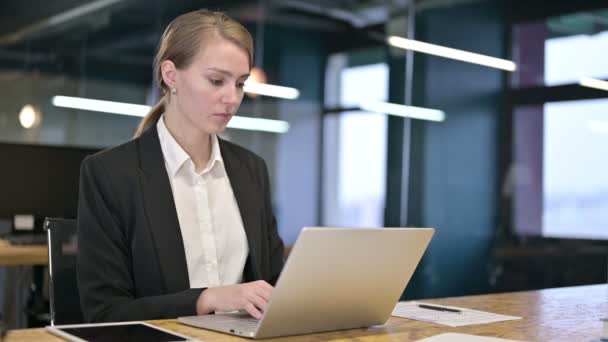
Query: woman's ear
(169, 73)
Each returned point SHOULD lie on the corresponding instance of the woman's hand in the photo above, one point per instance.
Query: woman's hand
(251, 297)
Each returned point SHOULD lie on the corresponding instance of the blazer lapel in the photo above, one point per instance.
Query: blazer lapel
(244, 190)
(161, 213)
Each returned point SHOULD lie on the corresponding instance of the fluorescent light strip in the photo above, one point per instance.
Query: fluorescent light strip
(272, 90)
(593, 83)
(447, 52)
(237, 122)
(600, 127)
(404, 111)
(258, 124)
(100, 106)
(80, 11)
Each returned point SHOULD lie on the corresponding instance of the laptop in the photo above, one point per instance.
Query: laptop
(334, 279)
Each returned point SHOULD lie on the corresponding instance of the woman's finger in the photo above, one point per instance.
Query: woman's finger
(253, 311)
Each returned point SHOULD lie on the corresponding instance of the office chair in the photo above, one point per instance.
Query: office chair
(63, 289)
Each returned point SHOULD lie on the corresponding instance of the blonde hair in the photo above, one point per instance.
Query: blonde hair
(180, 43)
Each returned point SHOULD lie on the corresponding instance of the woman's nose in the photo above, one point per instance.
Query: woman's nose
(231, 96)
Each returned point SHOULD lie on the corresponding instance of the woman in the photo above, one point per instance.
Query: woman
(178, 222)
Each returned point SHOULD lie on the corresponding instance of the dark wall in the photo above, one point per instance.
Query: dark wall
(454, 164)
(296, 58)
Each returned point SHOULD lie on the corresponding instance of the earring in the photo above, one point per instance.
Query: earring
(173, 91)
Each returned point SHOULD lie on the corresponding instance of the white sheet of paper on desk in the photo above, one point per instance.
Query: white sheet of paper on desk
(455, 337)
(452, 319)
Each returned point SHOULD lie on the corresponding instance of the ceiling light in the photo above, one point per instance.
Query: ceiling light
(29, 117)
(600, 127)
(100, 105)
(403, 111)
(593, 83)
(442, 51)
(271, 90)
(256, 75)
(258, 124)
(237, 122)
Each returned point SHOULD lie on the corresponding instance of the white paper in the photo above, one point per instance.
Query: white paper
(411, 310)
(455, 337)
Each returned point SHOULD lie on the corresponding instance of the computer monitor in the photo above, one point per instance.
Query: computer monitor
(40, 180)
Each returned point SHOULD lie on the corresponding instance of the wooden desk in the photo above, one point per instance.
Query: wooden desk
(563, 314)
(11, 255)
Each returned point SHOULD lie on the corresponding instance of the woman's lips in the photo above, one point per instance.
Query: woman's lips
(223, 115)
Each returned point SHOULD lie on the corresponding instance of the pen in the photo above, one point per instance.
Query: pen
(438, 308)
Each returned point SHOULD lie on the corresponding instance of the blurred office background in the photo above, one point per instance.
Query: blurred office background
(514, 179)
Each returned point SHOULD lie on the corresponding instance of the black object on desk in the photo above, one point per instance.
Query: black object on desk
(25, 230)
(26, 239)
(437, 308)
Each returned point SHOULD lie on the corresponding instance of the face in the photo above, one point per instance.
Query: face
(210, 90)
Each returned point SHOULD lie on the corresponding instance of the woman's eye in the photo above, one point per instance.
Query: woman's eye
(240, 84)
(216, 82)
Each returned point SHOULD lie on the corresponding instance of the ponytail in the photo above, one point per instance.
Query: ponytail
(151, 118)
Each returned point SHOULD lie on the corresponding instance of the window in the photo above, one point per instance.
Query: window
(569, 58)
(355, 151)
(557, 177)
(560, 50)
(575, 175)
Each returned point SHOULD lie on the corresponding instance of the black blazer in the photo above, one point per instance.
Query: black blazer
(131, 262)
